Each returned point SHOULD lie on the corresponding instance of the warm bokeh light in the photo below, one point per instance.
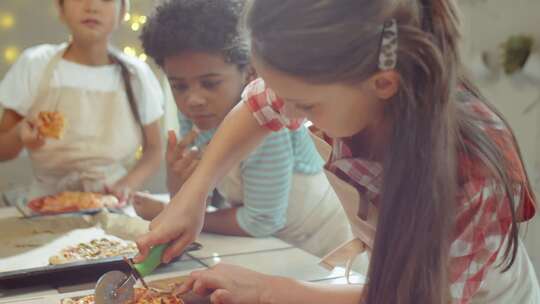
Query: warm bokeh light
(130, 51)
(135, 26)
(11, 54)
(7, 21)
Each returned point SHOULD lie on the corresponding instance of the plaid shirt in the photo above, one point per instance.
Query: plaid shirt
(483, 216)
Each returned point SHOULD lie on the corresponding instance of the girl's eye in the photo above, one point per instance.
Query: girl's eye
(210, 85)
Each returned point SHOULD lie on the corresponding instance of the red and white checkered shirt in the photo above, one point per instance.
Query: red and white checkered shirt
(483, 217)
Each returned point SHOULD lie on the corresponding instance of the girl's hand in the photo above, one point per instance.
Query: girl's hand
(181, 160)
(30, 136)
(122, 192)
(229, 284)
(178, 224)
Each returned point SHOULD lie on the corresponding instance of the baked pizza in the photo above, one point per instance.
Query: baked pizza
(51, 124)
(93, 250)
(72, 202)
(142, 296)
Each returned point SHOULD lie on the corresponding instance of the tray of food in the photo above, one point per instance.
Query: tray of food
(68, 202)
(66, 249)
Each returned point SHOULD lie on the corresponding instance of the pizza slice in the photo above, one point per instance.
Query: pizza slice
(142, 296)
(51, 124)
(71, 202)
(95, 249)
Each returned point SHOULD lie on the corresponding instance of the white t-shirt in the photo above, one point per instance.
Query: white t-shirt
(19, 88)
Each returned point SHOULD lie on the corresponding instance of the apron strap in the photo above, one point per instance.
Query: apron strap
(344, 255)
(126, 78)
(46, 79)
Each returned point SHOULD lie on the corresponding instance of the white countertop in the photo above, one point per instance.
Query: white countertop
(267, 255)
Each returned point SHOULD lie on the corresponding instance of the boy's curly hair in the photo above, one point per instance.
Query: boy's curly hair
(196, 25)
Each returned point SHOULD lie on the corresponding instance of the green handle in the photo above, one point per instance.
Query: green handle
(152, 261)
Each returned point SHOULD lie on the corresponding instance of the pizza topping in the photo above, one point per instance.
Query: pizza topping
(142, 296)
(71, 202)
(95, 249)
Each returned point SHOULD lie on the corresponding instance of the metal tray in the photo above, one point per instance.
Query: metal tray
(22, 205)
(25, 251)
(67, 274)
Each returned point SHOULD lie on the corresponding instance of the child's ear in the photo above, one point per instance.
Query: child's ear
(384, 84)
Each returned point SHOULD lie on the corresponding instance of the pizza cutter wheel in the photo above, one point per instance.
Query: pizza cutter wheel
(115, 287)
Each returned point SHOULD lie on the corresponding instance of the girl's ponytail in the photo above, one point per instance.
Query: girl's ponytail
(440, 18)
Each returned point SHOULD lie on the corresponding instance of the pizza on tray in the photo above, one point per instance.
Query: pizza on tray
(142, 296)
(71, 202)
(93, 250)
(51, 124)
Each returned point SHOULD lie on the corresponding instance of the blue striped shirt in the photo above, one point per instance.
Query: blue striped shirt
(267, 175)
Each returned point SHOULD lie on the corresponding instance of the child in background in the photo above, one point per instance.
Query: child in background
(278, 189)
(430, 174)
(111, 104)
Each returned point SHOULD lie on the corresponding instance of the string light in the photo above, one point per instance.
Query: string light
(7, 21)
(130, 51)
(11, 53)
(135, 26)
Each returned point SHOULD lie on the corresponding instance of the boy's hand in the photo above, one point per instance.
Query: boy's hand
(181, 160)
(147, 207)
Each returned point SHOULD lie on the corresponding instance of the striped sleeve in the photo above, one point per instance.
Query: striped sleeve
(267, 107)
(267, 177)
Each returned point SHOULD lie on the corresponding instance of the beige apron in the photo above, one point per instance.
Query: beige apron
(315, 222)
(517, 285)
(363, 231)
(100, 138)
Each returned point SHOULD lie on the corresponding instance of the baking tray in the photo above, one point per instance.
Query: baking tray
(21, 204)
(68, 274)
(24, 253)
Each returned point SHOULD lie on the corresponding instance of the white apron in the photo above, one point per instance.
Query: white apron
(101, 137)
(517, 285)
(315, 222)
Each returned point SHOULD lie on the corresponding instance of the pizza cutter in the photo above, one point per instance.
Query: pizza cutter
(116, 287)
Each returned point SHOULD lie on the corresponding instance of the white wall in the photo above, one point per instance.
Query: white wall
(488, 23)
